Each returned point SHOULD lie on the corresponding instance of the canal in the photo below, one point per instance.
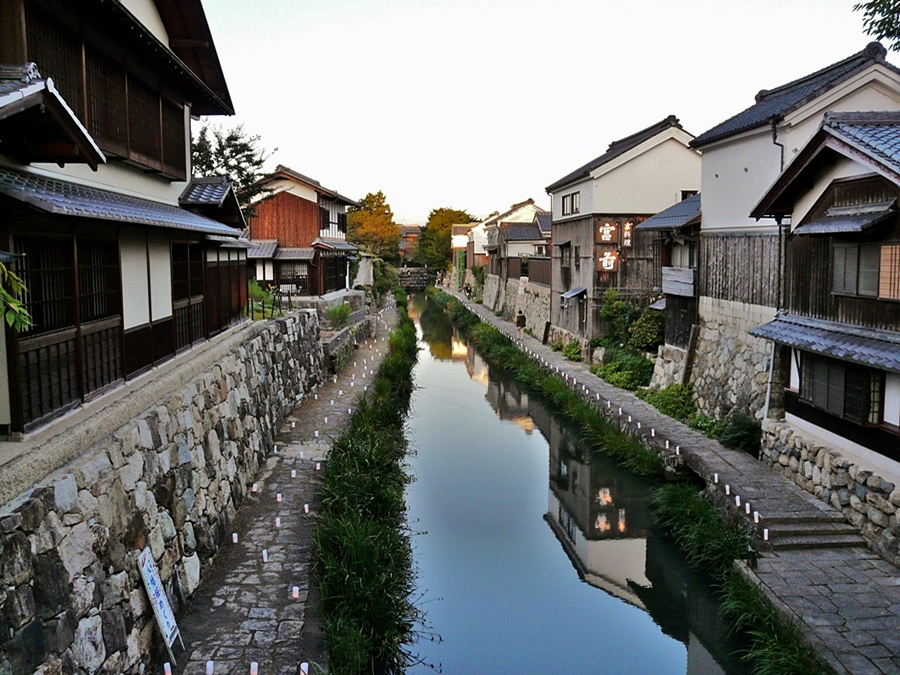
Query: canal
(534, 556)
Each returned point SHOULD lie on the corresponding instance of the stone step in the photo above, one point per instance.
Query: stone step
(810, 517)
(797, 542)
(812, 528)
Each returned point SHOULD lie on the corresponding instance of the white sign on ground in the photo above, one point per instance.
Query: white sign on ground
(158, 599)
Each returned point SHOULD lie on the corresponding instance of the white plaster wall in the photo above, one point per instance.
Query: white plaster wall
(734, 176)
(892, 399)
(160, 275)
(650, 182)
(795, 371)
(5, 414)
(145, 11)
(333, 209)
(586, 203)
(135, 285)
(114, 176)
(618, 560)
(295, 188)
(479, 238)
(516, 249)
(844, 168)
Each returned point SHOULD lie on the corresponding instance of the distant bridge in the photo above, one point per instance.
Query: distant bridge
(415, 278)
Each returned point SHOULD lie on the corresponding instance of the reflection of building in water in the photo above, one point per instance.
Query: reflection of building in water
(478, 369)
(459, 349)
(599, 514)
(510, 402)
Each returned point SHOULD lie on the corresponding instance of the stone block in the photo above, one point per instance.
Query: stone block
(15, 560)
(65, 493)
(839, 478)
(880, 503)
(877, 517)
(132, 471)
(48, 535)
(856, 519)
(31, 513)
(166, 526)
(19, 607)
(75, 550)
(190, 573)
(51, 585)
(116, 588)
(88, 648)
(816, 475)
(82, 596)
(857, 504)
(60, 633)
(115, 508)
(114, 636)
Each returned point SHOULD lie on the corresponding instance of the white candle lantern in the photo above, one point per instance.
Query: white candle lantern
(234, 538)
(265, 556)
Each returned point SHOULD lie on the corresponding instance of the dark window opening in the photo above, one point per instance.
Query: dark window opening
(843, 389)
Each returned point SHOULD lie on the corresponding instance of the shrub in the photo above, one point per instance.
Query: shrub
(624, 369)
(339, 315)
(708, 425)
(648, 332)
(619, 316)
(557, 346)
(741, 433)
(572, 351)
(676, 400)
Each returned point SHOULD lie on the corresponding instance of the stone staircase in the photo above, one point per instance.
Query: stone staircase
(825, 530)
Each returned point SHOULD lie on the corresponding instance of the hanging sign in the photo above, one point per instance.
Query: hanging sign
(158, 599)
(627, 234)
(608, 261)
(607, 233)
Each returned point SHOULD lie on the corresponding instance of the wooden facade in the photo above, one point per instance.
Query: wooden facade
(757, 258)
(272, 215)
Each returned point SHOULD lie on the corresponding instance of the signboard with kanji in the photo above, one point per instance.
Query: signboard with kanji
(157, 595)
(627, 234)
(607, 233)
(608, 261)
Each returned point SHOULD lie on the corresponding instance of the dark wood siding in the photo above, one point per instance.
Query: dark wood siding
(290, 219)
(740, 268)
(681, 314)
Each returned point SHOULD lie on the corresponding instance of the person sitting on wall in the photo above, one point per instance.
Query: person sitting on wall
(520, 325)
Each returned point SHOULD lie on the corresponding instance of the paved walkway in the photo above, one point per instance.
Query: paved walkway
(244, 609)
(846, 599)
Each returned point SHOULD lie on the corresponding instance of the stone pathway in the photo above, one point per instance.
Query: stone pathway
(244, 609)
(845, 598)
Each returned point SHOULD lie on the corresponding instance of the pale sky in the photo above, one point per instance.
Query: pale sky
(477, 104)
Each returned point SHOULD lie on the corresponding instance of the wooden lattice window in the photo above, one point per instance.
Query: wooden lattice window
(844, 389)
(98, 279)
(144, 121)
(889, 278)
(48, 271)
(173, 138)
(57, 52)
(107, 101)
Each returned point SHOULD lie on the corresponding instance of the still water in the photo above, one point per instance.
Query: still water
(537, 557)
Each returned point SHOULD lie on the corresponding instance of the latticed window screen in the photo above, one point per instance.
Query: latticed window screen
(98, 279)
(144, 122)
(843, 389)
(107, 99)
(57, 53)
(173, 136)
(889, 277)
(48, 271)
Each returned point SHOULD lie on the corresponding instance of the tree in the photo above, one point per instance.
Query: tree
(434, 242)
(234, 154)
(881, 19)
(371, 226)
(12, 310)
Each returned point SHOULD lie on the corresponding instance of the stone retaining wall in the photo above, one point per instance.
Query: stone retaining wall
(170, 478)
(339, 347)
(869, 502)
(730, 367)
(506, 299)
(669, 368)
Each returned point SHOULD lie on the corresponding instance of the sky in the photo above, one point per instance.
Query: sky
(478, 104)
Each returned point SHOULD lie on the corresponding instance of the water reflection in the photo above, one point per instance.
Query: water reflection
(479, 497)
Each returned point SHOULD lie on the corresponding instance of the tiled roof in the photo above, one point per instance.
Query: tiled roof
(210, 190)
(334, 244)
(850, 219)
(229, 242)
(778, 102)
(295, 254)
(544, 221)
(313, 183)
(520, 232)
(263, 248)
(616, 148)
(876, 133)
(80, 201)
(675, 216)
(867, 346)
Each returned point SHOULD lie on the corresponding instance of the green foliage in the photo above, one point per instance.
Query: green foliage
(385, 278)
(478, 273)
(572, 351)
(596, 431)
(619, 316)
(433, 248)
(881, 19)
(648, 332)
(557, 346)
(371, 226)
(237, 156)
(339, 315)
(12, 309)
(624, 369)
(363, 559)
(676, 400)
(737, 431)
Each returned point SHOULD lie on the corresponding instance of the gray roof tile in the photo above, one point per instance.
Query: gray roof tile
(210, 190)
(616, 148)
(673, 217)
(262, 248)
(776, 103)
(521, 232)
(80, 201)
(867, 346)
(295, 254)
(877, 133)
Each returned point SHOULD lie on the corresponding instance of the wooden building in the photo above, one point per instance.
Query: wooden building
(595, 211)
(839, 328)
(94, 158)
(299, 236)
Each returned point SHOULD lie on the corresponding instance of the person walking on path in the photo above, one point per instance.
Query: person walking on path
(520, 325)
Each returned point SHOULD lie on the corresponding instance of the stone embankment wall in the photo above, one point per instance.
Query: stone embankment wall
(340, 346)
(518, 294)
(669, 367)
(730, 367)
(170, 478)
(869, 502)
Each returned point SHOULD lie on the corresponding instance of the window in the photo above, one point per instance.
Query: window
(687, 194)
(565, 255)
(842, 389)
(571, 204)
(577, 257)
(857, 271)
(889, 277)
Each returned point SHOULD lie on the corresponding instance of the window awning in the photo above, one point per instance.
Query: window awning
(295, 254)
(334, 244)
(866, 346)
(849, 219)
(573, 293)
(64, 198)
